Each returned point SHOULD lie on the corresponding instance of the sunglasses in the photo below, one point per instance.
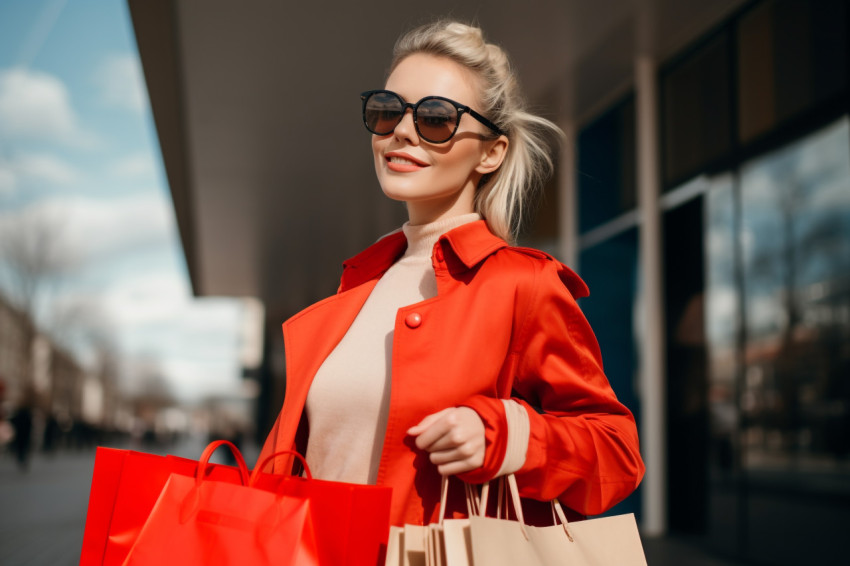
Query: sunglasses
(435, 118)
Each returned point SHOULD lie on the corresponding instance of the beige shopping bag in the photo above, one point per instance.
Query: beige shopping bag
(417, 545)
(395, 547)
(457, 544)
(606, 541)
(436, 553)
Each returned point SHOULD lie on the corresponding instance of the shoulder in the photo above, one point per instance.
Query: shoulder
(540, 268)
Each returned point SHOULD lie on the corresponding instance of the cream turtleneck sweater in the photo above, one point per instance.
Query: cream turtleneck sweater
(348, 403)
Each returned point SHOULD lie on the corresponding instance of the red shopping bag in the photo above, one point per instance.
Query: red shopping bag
(351, 521)
(198, 521)
(125, 487)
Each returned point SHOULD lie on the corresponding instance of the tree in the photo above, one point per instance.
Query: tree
(33, 258)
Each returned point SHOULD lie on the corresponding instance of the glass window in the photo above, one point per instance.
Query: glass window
(792, 56)
(697, 113)
(606, 166)
(610, 270)
(722, 320)
(779, 392)
(796, 222)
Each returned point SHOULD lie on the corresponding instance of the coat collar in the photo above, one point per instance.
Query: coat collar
(471, 243)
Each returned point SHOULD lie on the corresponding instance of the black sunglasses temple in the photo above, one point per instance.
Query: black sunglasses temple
(484, 120)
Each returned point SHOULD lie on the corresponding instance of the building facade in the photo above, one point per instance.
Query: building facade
(712, 224)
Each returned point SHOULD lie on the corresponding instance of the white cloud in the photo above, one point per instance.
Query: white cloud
(36, 106)
(26, 169)
(146, 297)
(95, 229)
(194, 380)
(122, 82)
(45, 167)
(194, 341)
(8, 180)
(135, 166)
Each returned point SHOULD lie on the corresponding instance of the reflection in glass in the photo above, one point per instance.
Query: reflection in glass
(722, 319)
(794, 390)
(796, 244)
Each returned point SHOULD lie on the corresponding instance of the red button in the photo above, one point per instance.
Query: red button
(413, 320)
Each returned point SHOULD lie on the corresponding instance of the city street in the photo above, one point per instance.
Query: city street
(44, 510)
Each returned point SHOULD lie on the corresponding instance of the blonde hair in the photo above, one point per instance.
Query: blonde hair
(502, 196)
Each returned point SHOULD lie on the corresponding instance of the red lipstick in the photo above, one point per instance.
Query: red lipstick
(401, 162)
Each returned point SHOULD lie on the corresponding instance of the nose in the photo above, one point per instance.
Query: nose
(406, 129)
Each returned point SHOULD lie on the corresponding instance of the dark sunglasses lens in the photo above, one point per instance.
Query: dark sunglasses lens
(382, 113)
(437, 120)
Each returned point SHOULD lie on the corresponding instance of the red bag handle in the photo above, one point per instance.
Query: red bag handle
(207, 454)
(255, 475)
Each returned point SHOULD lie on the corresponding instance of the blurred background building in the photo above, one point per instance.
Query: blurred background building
(703, 194)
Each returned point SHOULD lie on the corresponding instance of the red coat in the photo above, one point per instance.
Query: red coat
(504, 324)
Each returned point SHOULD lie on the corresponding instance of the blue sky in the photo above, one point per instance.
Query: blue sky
(78, 149)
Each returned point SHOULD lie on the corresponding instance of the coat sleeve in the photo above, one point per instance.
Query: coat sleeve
(583, 446)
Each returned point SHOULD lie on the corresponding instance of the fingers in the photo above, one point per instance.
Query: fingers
(416, 430)
(464, 458)
(455, 439)
(455, 468)
(440, 433)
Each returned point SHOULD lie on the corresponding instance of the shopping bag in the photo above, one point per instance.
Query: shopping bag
(351, 520)
(606, 541)
(426, 545)
(125, 487)
(395, 547)
(198, 521)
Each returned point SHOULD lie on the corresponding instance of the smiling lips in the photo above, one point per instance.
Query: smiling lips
(403, 163)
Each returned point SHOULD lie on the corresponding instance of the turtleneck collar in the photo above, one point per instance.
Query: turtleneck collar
(421, 238)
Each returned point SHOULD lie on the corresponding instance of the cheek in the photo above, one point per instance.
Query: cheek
(376, 153)
(461, 161)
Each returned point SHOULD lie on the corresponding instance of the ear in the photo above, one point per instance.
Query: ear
(493, 155)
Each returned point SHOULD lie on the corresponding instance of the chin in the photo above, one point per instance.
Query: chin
(399, 190)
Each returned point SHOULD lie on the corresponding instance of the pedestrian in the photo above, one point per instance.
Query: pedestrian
(22, 422)
(447, 350)
(7, 433)
(52, 432)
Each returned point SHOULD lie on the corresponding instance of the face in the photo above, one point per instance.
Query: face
(435, 180)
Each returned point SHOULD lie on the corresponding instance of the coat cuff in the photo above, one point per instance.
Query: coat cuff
(519, 430)
(506, 433)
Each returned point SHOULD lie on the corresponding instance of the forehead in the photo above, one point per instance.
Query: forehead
(420, 75)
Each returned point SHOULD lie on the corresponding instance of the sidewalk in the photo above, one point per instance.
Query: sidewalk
(671, 551)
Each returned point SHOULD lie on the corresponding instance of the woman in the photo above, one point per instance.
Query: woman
(446, 351)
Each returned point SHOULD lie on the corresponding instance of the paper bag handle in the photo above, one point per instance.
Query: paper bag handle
(472, 503)
(559, 511)
(513, 489)
(207, 454)
(259, 467)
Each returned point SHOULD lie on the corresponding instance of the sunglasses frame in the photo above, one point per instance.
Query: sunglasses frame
(461, 109)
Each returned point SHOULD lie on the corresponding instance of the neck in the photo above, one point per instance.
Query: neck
(421, 238)
(433, 210)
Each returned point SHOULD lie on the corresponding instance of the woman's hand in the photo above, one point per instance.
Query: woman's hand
(454, 437)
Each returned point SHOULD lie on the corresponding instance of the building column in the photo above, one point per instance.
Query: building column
(567, 197)
(652, 360)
